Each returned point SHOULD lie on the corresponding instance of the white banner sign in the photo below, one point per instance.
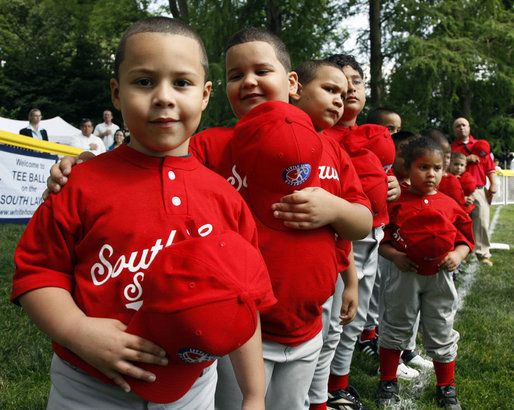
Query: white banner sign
(23, 175)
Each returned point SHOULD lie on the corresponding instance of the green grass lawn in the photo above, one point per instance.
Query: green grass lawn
(484, 367)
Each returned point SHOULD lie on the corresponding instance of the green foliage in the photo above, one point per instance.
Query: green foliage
(453, 58)
(57, 56)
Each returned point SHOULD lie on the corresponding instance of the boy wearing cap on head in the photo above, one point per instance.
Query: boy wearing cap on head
(427, 238)
(97, 287)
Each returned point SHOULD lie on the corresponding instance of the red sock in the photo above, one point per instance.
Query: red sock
(444, 373)
(336, 382)
(320, 406)
(367, 335)
(388, 359)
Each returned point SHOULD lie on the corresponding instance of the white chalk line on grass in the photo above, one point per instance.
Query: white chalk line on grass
(416, 388)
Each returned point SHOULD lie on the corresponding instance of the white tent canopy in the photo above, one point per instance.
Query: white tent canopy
(58, 130)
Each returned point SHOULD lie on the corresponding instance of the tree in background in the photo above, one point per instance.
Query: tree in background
(452, 59)
(58, 56)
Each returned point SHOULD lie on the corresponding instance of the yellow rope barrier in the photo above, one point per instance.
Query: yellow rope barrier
(37, 145)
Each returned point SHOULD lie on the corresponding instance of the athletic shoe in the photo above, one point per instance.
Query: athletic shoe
(404, 372)
(369, 347)
(387, 394)
(447, 397)
(345, 399)
(412, 358)
(486, 261)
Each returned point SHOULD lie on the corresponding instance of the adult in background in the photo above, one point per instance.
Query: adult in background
(482, 168)
(33, 129)
(105, 131)
(86, 140)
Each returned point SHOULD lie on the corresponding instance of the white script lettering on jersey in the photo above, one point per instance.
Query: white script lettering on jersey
(236, 180)
(328, 173)
(104, 270)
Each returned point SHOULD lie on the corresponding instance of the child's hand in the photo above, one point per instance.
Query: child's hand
(468, 200)
(403, 263)
(349, 306)
(393, 188)
(451, 261)
(304, 209)
(105, 345)
(59, 172)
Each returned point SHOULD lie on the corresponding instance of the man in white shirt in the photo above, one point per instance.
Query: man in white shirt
(33, 130)
(86, 140)
(106, 129)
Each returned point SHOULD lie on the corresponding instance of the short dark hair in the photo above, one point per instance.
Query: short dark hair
(84, 120)
(437, 135)
(32, 111)
(164, 25)
(457, 155)
(250, 34)
(308, 69)
(419, 147)
(375, 116)
(343, 60)
(402, 136)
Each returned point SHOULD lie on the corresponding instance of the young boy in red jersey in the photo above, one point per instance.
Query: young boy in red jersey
(259, 70)
(466, 180)
(376, 140)
(427, 238)
(85, 285)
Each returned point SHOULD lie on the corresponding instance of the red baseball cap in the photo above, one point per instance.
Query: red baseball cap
(372, 177)
(481, 148)
(276, 147)
(468, 183)
(428, 236)
(201, 297)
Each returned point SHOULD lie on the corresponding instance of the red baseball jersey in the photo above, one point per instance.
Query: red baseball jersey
(112, 218)
(481, 168)
(302, 264)
(376, 139)
(409, 203)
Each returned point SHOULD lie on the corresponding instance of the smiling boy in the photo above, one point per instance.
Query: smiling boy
(68, 285)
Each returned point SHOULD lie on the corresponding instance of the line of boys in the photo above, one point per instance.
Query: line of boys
(248, 74)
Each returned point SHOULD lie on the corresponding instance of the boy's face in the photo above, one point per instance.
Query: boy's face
(356, 97)
(446, 156)
(458, 167)
(322, 98)
(161, 92)
(392, 122)
(255, 75)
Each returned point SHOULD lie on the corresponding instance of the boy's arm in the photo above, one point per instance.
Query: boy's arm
(248, 367)
(315, 207)
(454, 258)
(59, 172)
(400, 259)
(101, 342)
(350, 292)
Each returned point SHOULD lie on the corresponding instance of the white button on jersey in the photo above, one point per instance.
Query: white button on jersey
(176, 201)
(426, 201)
(171, 175)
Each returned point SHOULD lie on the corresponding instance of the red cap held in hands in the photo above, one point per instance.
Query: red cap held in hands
(429, 236)
(276, 147)
(481, 148)
(201, 297)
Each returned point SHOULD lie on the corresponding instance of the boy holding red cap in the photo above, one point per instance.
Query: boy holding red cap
(427, 238)
(99, 286)
(302, 265)
(376, 140)
(466, 180)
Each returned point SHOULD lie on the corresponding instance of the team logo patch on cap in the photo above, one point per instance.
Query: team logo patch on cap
(296, 174)
(191, 355)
